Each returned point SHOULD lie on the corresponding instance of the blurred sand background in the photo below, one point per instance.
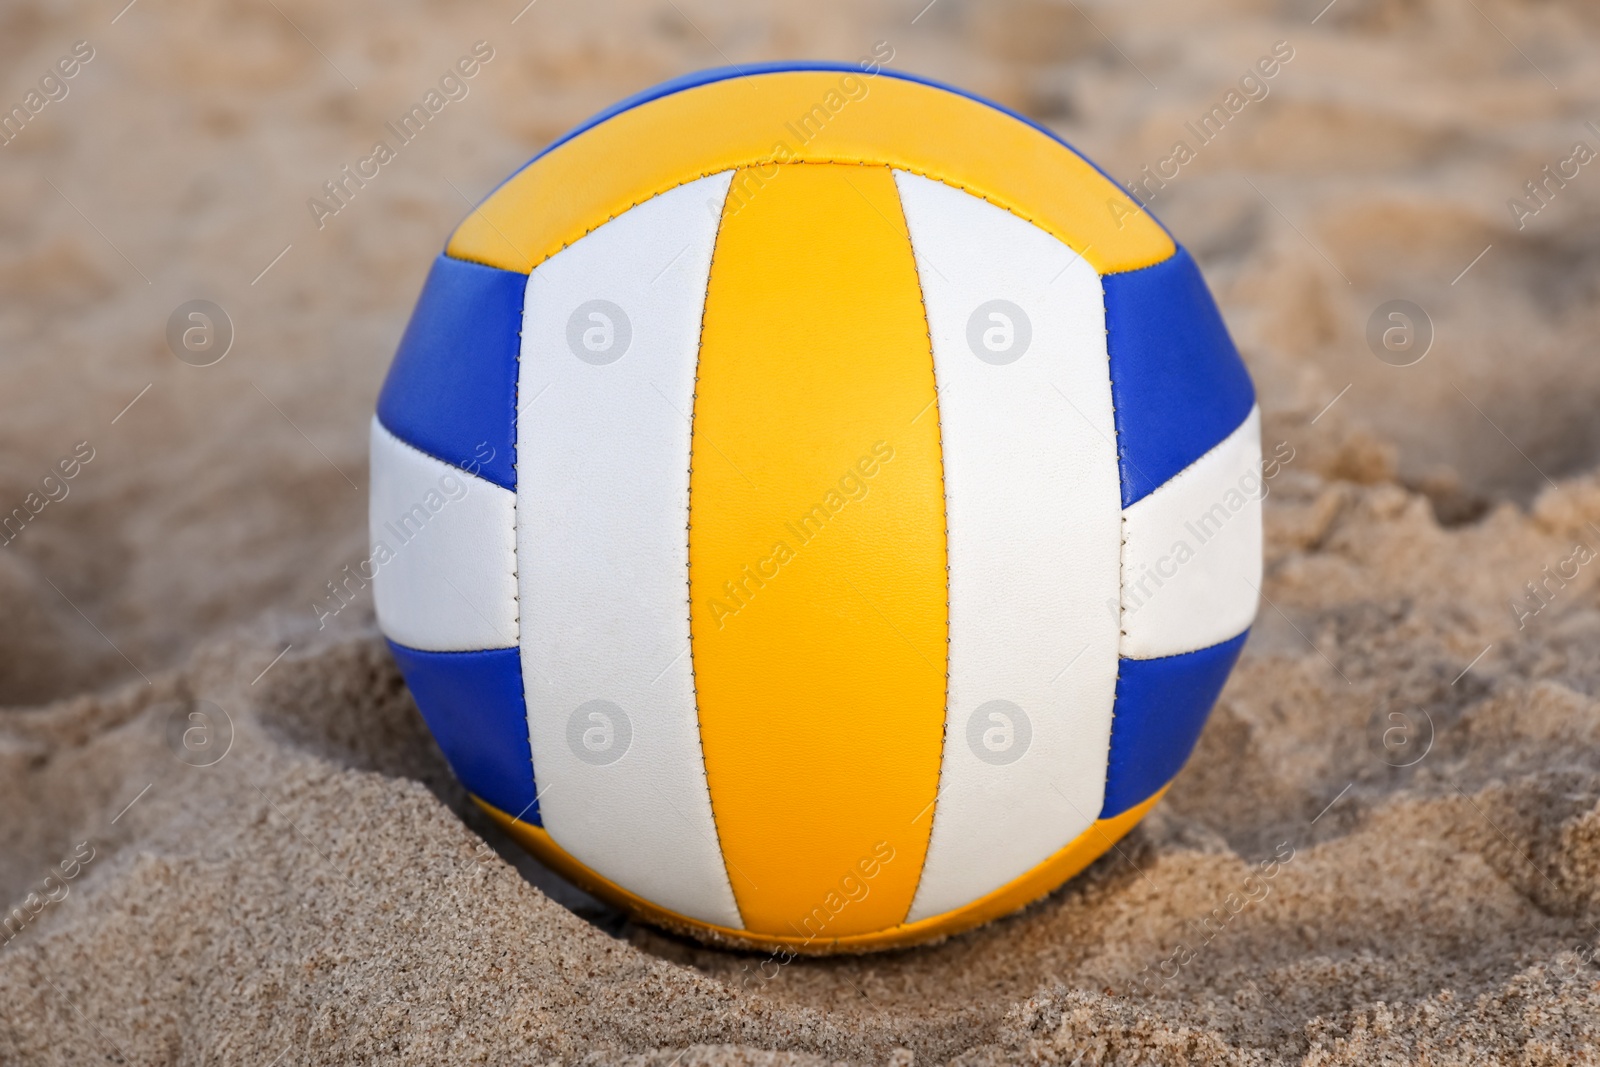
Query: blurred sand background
(322, 894)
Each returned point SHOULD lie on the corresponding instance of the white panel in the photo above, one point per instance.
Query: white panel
(445, 546)
(1191, 554)
(611, 337)
(1034, 509)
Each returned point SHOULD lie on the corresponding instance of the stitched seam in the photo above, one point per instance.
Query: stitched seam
(747, 164)
(944, 500)
(1230, 435)
(1032, 221)
(1192, 651)
(516, 556)
(688, 527)
(517, 617)
(414, 650)
(547, 256)
(516, 440)
(440, 459)
(1122, 537)
(1187, 474)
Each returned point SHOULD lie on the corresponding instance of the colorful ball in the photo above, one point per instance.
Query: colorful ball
(814, 508)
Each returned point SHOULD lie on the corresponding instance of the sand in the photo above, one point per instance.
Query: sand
(1412, 755)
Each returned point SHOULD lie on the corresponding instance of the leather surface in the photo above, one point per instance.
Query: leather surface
(444, 551)
(822, 697)
(738, 123)
(602, 507)
(472, 702)
(1177, 380)
(1078, 853)
(1191, 553)
(451, 389)
(780, 742)
(695, 79)
(1161, 707)
(1034, 514)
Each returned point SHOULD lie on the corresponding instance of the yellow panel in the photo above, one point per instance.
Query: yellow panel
(1079, 853)
(818, 602)
(816, 117)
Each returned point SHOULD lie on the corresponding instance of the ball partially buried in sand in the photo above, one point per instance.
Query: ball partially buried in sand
(814, 508)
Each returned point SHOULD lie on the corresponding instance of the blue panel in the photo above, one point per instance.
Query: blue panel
(1161, 706)
(452, 390)
(1178, 383)
(473, 703)
(717, 74)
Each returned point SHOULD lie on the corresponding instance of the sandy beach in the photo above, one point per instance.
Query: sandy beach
(1410, 744)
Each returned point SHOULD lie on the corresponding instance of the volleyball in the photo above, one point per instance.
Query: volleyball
(815, 509)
